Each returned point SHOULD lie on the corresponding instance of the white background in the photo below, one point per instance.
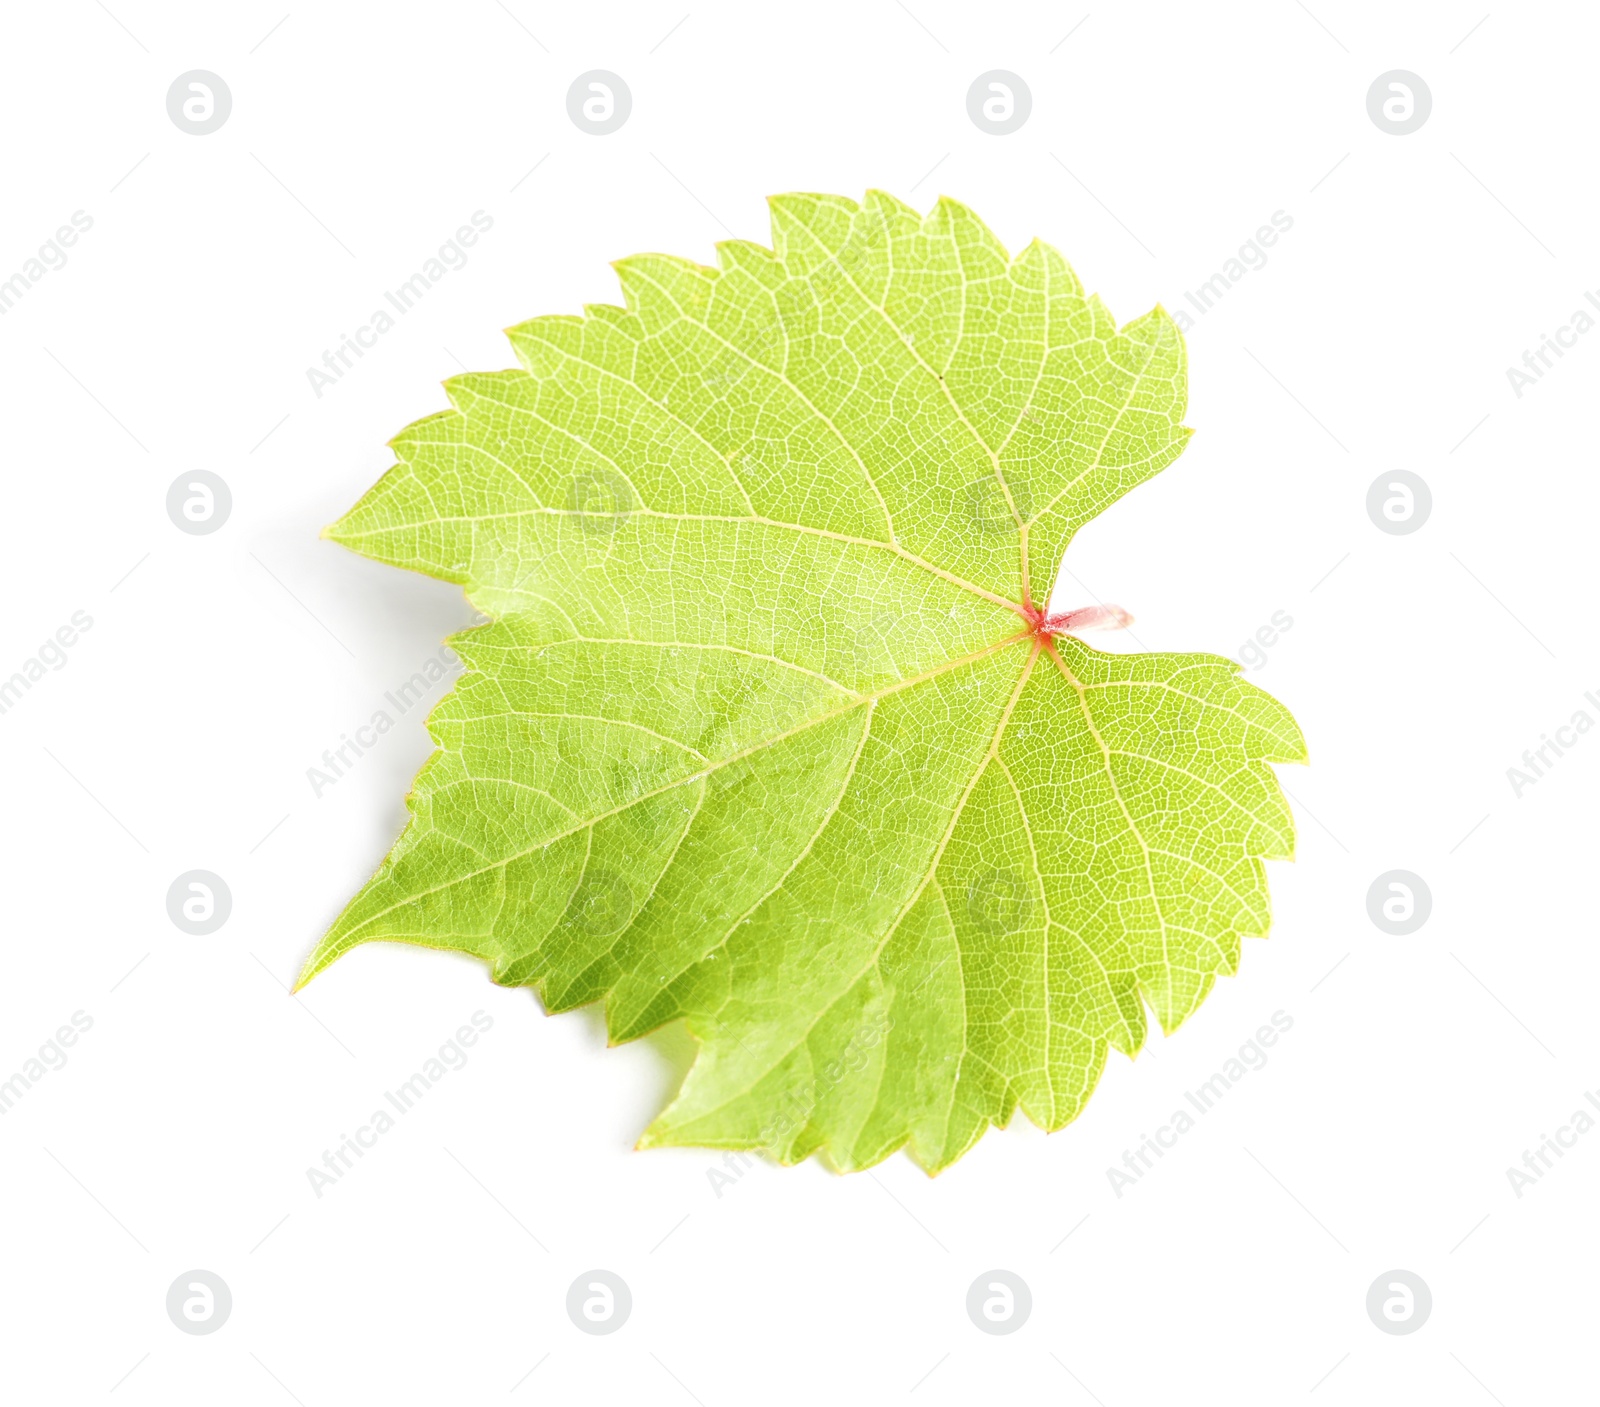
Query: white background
(218, 668)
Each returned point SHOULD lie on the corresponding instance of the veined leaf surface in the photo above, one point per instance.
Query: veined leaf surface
(769, 733)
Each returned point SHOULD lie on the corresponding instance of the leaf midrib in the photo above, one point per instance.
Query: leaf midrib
(759, 520)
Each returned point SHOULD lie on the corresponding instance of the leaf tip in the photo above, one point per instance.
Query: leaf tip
(337, 531)
(321, 956)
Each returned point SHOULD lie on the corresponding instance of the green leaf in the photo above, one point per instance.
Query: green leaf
(766, 734)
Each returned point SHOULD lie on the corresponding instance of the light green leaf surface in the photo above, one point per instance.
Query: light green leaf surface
(763, 736)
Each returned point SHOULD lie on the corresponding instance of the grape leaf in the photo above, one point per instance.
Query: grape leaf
(767, 732)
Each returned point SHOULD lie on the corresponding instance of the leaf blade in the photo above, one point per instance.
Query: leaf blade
(761, 736)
